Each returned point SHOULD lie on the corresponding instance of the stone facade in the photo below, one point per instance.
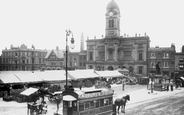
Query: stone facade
(22, 58)
(164, 55)
(179, 62)
(54, 59)
(115, 51)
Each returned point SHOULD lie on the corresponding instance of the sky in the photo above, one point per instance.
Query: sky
(43, 23)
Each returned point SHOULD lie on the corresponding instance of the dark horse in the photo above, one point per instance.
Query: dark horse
(122, 102)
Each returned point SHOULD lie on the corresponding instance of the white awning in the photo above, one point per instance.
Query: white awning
(82, 74)
(69, 98)
(109, 74)
(29, 91)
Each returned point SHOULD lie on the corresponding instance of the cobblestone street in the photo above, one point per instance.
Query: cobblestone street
(140, 101)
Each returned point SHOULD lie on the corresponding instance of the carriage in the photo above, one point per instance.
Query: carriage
(88, 101)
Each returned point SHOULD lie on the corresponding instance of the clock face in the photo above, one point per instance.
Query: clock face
(110, 13)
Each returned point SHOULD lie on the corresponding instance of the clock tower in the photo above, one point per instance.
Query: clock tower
(112, 20)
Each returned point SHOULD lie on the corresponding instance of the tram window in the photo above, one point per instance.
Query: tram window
(86, 107)
(74, 105)
(92, 105)
(65, 103)
(106, 102)
(101, 102)
(97, 103)
(81, 106)
(110, 100)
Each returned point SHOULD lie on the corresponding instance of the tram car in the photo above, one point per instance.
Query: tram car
(88, 101)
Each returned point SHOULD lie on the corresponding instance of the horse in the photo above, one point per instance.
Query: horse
(122, 102)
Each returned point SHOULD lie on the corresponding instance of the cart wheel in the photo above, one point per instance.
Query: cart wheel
(50, 98)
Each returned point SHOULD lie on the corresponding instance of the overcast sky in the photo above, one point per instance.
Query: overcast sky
(43, 22)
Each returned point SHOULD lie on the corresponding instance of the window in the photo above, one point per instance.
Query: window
(101, 102)
(159, 55)
(40, 60)
(172, 64)
(70, 63)
(181, 67)
(53, 64)
(92, 104)
(110, 55)
(181, 60)
(166, 55)
(90, 66)
(90, 55)
(33, 60)
(166, 65)
(140, 55)
(111, 23)
(81, 106)
(140, 69)
(101, 55)
(86, 107)
(97, 103)
(152, 65)
(127, 53)
(106, 102)
(152, 55)
(140, 45)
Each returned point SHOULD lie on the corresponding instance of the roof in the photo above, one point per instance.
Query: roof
(57, 52)
(161, 49)
(112, 5)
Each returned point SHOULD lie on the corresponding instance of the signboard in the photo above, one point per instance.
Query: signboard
(97, 94)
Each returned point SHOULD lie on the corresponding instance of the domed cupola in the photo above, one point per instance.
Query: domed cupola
(112, 20)
(112, 5)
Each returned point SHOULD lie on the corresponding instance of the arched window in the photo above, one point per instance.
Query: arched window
(111, 23)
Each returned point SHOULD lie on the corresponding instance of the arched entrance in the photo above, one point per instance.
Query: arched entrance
(110, 68)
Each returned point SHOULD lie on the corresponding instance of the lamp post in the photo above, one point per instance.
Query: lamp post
(68, 32)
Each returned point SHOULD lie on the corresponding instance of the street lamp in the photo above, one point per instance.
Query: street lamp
(68, 32)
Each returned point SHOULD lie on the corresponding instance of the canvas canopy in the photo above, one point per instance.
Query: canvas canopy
(8, 78)
(82, 74)
(109, 74)
(28, 76)
(52, 75)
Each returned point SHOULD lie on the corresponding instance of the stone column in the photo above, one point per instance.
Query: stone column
(115, 51)
(94, 52)
(105, 52)
(87, 53)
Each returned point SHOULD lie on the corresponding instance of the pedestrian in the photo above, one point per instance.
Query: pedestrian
(167, 85)
(58, 99)
(123, 84)
(171, 84)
